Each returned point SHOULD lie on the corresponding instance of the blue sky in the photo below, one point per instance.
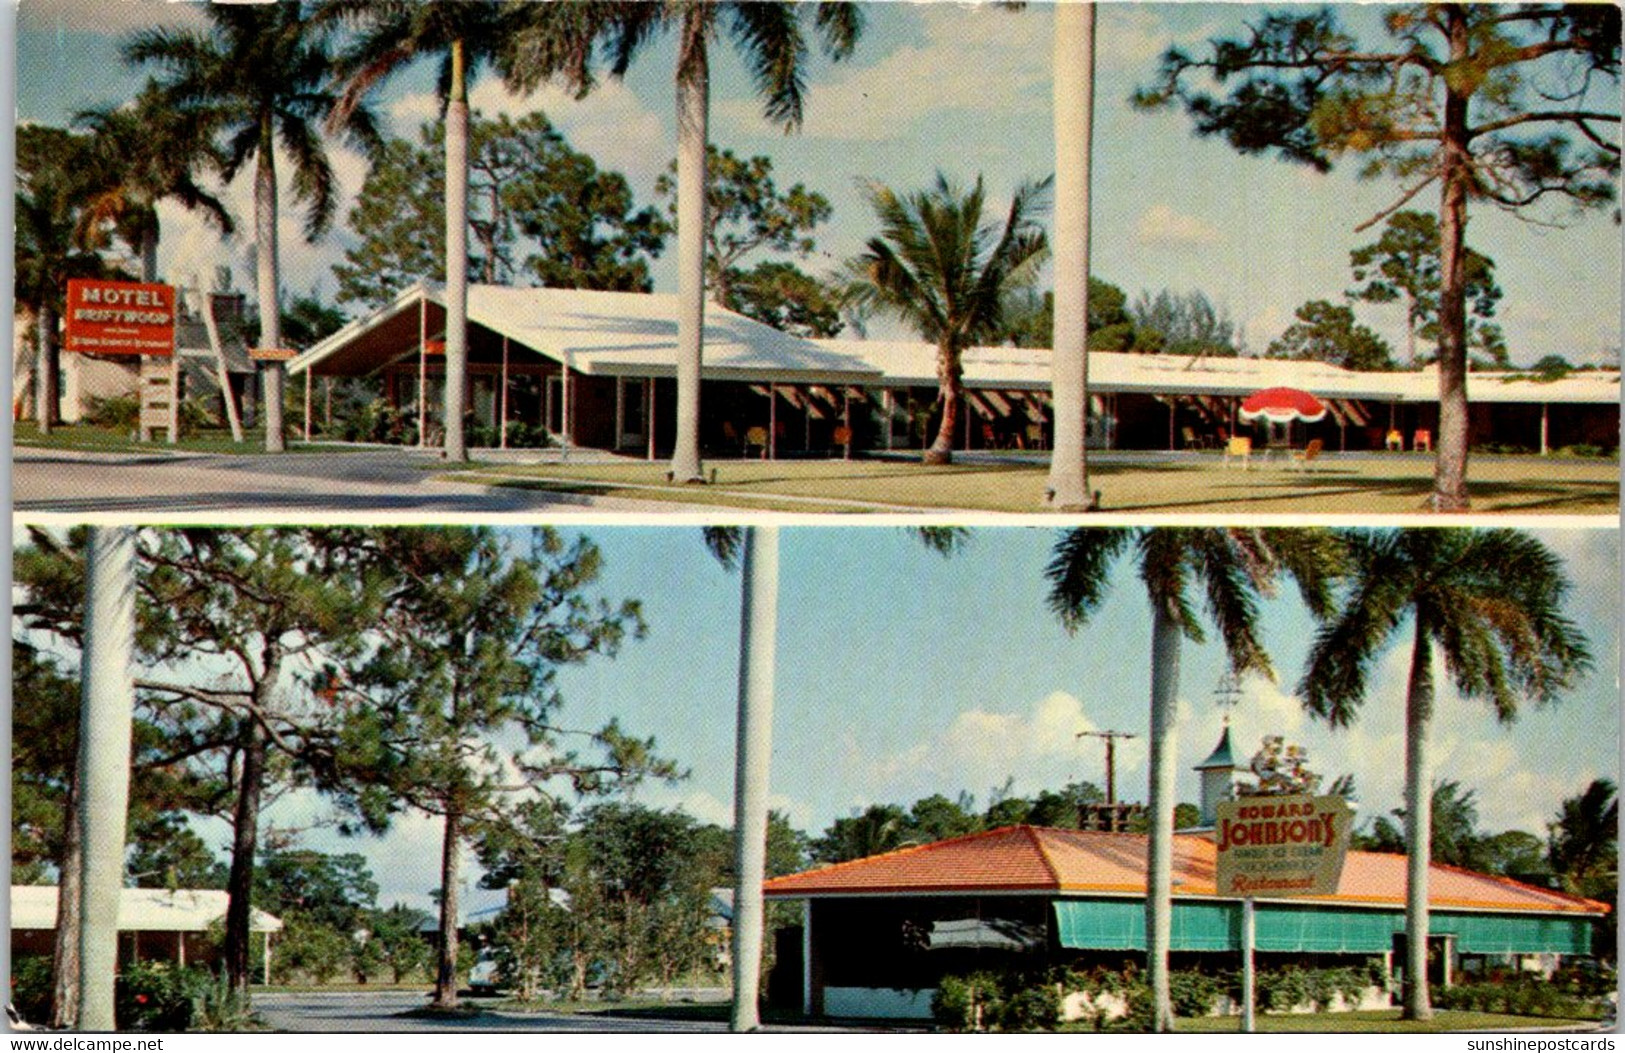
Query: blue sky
(964, 89)
(902, 674)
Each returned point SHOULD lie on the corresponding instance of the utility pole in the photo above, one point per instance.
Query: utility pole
(1111, 738)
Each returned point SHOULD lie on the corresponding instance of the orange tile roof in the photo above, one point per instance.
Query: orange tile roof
(1041, 859)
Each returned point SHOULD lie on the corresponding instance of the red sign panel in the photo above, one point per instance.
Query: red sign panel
(434, 347)
(120, 318)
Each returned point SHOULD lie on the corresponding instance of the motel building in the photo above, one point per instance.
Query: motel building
(154, 924)
(597, 370)
(878, 934)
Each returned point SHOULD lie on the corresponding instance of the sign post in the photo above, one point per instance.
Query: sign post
(1274, 847)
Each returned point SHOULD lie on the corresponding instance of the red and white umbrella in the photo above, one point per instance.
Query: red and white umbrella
(1282, 406)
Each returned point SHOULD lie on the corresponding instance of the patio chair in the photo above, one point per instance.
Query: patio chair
(1422, 440)
(1302, 459)
(1194, 441)
(1239, 446)
(1395, 440)
(756, 436)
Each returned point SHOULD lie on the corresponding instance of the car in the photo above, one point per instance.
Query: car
(482, 978)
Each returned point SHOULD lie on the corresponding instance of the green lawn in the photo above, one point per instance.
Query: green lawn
(1195, 484)
(1381, 1021)
(91, 439)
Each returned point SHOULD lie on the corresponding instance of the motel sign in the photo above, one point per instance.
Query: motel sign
(120, 318)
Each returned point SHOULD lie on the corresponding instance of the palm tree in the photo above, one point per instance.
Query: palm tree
(1233, 567)
(259, 71)
(561, 40)
(148, 152)
(1490, 602)
(942, 269)
(465, 36)
(54, 243)
(1074, 127)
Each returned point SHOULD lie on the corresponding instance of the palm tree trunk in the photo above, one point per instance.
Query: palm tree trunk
(1450, 458)
(149, 249)
(445, 982)
(757, 636)
(45, 369)
(104, 765)
(265, 233)
(1074, 126)
(1418, 825)
(950, 392)
(1165, 646)
(693, 104)
(456, 255)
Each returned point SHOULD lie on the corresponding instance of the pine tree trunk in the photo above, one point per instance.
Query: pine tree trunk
(65, 946)
(244, 846)
(950, 392)
(693, 103)
(265, 233)
(1418, 826)
(753, 750)
(445, 983)
(149, 251)
(1074, 126)
(1450, 445)
(1165, 648)
(456, 256)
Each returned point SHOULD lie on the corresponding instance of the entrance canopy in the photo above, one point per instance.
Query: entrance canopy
(594, 333)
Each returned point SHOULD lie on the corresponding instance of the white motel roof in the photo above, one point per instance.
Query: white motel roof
(635, 335)
(607, 333)
(913, 364)
(140, 910)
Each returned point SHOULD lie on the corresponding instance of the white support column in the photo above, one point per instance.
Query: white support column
(569, 416)
(772, 422)
(649, 418)
(1545, 428)
(502, 442)
(1249, 980)
(307, 405)
(620, 410)
(423, 370)
(806, 958)
(106, 698)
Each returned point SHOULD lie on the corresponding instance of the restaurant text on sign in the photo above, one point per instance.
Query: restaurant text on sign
(120, 318)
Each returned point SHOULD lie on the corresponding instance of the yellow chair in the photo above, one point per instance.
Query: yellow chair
(1239, 446)
(1395, 440)
(756, 436)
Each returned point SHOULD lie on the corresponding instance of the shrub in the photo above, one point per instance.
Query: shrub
(120, 413)
(156, 996)
(31, 987)
(1033, 1007)
(1194, 992)
(966, 1003)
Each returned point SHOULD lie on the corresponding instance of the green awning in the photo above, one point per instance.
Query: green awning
(1119, 925)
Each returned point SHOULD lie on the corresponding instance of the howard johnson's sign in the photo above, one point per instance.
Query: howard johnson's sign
(1281, 846)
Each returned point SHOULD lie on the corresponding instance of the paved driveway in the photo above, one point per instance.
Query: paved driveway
(344, 481)
(374, 1011)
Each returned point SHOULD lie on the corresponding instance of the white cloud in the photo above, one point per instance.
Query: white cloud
(190, 247)
(981, 748)
(974, 60)
(1162, 226)
(612, 125)
(99, 16)
(1267, 324)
